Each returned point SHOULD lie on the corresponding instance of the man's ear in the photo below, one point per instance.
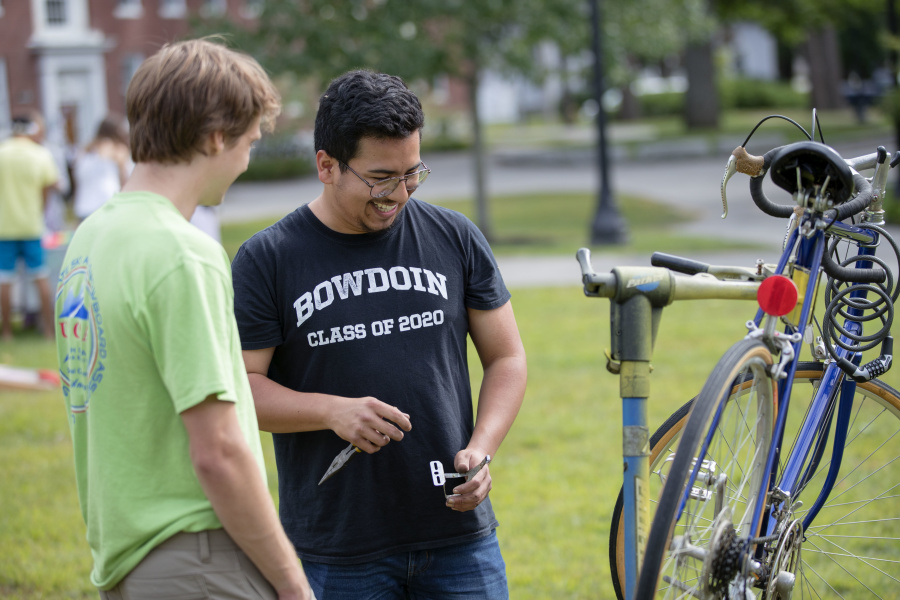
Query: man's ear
(325, 166)
(215, 144)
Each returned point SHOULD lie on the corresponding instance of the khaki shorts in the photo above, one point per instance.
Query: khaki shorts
(194, 566)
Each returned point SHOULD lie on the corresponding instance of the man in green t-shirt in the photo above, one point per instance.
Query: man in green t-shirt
(168, 461)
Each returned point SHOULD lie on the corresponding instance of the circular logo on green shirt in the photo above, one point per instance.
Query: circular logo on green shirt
(80, 334)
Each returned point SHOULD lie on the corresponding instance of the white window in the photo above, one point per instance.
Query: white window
(214, 8)
(54, 18)
(56, 13)
(128, 9)
(172, 9)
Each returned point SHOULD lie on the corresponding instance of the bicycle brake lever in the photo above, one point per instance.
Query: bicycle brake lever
(730, 169)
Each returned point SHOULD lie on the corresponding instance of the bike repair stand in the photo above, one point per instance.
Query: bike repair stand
(635, 311)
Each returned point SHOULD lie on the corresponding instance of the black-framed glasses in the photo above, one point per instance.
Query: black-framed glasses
(386, 187)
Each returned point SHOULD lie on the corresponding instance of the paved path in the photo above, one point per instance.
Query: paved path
(684, 180)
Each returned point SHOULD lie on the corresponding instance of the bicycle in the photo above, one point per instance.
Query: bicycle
(731, 520)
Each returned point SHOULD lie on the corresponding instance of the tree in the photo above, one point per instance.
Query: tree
(812, 26)
(416, 40)
(644, 31)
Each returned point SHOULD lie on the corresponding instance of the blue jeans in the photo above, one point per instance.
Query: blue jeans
(469, 571)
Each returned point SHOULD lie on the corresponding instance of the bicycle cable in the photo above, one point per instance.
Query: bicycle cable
(764, 119)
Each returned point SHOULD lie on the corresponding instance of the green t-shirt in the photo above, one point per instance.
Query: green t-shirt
(145, 330)
(26, 168)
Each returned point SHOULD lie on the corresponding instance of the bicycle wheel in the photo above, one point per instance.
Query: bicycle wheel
(662, 449)
(709, 497)
(850, 550)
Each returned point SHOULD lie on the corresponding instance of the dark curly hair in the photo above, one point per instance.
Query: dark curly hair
(361, 104)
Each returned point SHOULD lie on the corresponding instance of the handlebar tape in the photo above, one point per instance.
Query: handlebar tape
(759, 197)
(865, 195)
(851, 274)
(678, 263)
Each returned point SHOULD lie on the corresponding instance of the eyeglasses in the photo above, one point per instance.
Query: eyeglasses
(386, 187)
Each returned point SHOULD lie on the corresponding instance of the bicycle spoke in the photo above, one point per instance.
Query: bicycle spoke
(854, 511)
(863, 559)
(882, 467)
(839, 565)
(868, 501)
(806, 567)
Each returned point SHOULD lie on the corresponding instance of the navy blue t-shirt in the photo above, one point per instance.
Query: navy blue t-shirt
(384, 315)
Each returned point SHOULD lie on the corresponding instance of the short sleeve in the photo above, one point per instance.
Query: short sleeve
(485, 289)
(255, 304)
(191, 328)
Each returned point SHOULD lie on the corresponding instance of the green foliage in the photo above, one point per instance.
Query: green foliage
(444, 143)
(892, 203)
(791, 20)
(271, 169)
(646, 31)
(754, 93)
(890, 104)
(416, 40)
(734, 94)
(666, 104)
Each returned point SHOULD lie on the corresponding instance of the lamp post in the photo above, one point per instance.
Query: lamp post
(608, 226)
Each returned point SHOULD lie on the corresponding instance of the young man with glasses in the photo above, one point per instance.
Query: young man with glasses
(354, 312)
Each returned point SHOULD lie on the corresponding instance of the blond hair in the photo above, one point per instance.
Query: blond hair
(188, 90)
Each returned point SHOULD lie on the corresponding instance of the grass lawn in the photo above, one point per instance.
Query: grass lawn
(555, 478)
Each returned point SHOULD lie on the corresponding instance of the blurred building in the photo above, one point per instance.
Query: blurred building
(73, 59)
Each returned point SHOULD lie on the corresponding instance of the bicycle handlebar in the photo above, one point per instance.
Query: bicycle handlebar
(678, 263)
(758, 166)
(623, 283)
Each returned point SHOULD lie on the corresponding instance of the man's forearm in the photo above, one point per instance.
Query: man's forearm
(499, 399)
(232, 482)
(283, 410)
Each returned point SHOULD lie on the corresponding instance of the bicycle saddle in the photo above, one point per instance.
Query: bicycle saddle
(816, 163)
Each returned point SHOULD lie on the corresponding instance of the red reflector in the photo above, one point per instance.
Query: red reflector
(777, 295)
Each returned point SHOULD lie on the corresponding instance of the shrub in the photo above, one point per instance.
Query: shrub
(279, 157)
(664, 104)
(271, 169)
(756, 93)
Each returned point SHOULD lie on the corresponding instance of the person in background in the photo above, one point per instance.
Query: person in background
(101, 168)
(206, 219)
(168, 460)
(54, 225)
(55, 213)
(27, 175)
(354, 312)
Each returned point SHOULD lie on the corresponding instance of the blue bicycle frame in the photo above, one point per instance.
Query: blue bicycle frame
(808, 256)
(816, 423)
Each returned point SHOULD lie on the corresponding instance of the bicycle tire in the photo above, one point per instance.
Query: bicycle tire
(662, 445)
(827, 574)
(736, 411)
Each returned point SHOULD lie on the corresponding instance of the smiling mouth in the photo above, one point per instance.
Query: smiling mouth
(384, 207)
